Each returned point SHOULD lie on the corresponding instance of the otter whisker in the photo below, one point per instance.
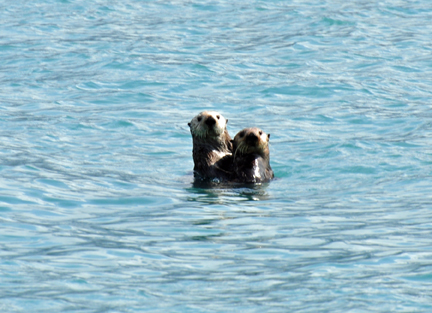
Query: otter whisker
(235, 153)
(238, 149)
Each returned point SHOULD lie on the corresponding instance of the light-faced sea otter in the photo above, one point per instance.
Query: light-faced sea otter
(212, 146)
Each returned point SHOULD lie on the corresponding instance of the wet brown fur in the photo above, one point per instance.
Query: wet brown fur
(212, 146)
(251, 158)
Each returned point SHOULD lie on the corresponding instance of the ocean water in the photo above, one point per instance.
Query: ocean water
(98, 212)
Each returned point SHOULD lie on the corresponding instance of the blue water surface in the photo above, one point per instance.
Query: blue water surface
(98, 212)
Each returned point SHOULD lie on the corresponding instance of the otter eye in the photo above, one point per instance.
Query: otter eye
(260, 132)
(199, 119)
(218, 116)
(241, 134)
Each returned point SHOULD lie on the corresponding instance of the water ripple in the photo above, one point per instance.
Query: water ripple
(99, 212)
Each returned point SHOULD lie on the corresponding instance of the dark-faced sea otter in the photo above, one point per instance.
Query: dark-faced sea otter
(251, 156)
(212, 146)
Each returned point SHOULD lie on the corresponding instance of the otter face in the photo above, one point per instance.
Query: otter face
(251, 140)
(208, 124)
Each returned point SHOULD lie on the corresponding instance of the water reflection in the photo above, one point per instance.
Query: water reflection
(212, 192)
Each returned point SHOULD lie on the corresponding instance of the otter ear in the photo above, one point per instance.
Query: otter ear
(189, 124)
(226, 121)
(268, 136)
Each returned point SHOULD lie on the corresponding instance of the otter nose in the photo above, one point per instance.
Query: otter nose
(210, 121)
(252, 138)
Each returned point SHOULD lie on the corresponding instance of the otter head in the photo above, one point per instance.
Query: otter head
(208, 124)
(251, 141)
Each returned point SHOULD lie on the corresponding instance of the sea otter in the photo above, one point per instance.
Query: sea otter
(251, 157)
(212, 146)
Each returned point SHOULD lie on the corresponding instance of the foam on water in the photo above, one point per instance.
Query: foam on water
(98, 209)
